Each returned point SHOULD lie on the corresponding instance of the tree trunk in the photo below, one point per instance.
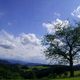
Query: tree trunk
(71, 67)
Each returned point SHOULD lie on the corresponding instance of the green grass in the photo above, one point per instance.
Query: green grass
(14, 72)
(39, 67)
(76, 73)
(75, 78)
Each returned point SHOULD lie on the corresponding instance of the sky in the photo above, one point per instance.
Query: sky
(24, 22)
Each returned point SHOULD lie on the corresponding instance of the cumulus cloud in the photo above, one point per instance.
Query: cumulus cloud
(60, 43)
(56, 25)
(76, 12)
(6, 44)
(29, 38)
(57, 14)
(25, 47)
(6, 40)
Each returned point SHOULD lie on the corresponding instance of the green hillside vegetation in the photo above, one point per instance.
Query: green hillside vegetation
(77, 78)
(10, 71)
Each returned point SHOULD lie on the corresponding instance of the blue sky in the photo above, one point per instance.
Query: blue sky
(27, 16)
(24, 22)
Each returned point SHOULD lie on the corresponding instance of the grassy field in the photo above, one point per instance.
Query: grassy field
(76, 78)
(76, 73)
(20, 72)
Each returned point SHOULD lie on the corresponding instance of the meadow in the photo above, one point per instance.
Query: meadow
(10, 71)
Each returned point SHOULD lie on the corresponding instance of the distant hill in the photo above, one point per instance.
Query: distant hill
(19, 62)
(13, 69)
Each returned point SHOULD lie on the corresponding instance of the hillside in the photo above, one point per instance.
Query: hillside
(18, 70)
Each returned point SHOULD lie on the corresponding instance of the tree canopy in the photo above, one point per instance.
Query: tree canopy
(63, 45)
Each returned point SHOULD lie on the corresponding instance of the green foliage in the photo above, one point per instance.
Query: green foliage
(74, 78)
(63, 46)
(21, 72)
(70, 39)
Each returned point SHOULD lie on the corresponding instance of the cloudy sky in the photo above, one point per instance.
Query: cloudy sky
(24, 22)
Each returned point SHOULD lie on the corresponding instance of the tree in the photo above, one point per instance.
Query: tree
(64, 45)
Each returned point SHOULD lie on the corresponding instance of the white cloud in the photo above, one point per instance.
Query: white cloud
(29, 38)
(57, 14)
(60, 43)
(56, 25)
(76, 12)
(7, 44)
(25, 47)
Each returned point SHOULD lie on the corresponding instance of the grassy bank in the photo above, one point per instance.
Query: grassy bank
(75, 78)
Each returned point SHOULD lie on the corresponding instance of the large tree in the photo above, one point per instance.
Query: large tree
(64, 45)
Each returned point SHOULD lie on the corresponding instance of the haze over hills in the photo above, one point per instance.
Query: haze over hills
(9, 61)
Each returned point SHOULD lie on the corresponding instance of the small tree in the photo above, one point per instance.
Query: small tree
(64, 45)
